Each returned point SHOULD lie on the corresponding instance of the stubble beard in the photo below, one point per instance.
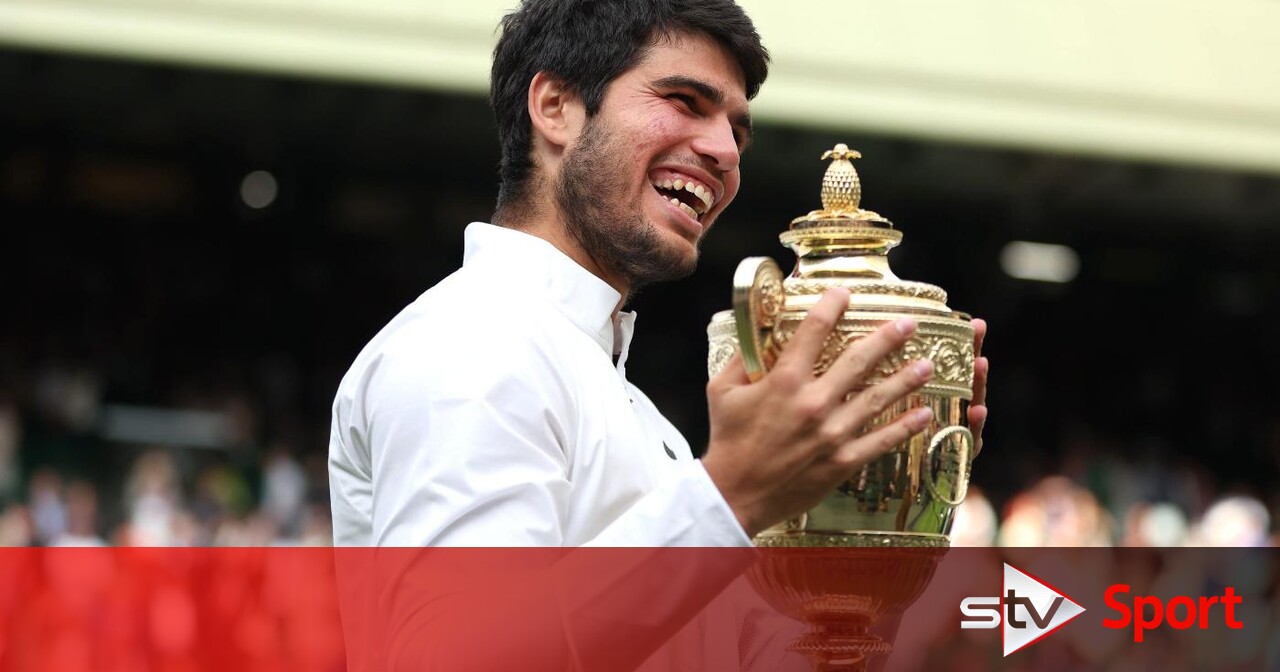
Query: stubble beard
(616, 235)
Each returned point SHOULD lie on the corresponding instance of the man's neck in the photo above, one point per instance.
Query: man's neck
(549, 227)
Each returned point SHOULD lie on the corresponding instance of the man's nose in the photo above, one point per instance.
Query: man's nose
(717, 143)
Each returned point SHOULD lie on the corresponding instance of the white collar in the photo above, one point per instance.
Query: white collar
(535, 264)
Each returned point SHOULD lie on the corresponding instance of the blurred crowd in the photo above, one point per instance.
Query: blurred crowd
(65, 480)
(1057, 511)
(65, 483)
(160, 506)
(160, 510)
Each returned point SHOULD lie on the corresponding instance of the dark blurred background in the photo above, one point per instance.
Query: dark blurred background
(194, 256)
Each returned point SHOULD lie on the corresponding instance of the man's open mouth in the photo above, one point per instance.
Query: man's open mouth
(692, 198)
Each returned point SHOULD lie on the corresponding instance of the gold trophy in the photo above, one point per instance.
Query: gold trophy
(868, 550)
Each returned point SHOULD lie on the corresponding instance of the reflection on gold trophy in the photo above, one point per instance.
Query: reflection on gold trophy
(869, 549)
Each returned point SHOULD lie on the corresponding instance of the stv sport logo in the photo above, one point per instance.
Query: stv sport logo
(1030, 609)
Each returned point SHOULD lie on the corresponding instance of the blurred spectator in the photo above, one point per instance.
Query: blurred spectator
(1154, 525)
(1233, 521)
(15, 526)
(48, 512)
(284, 491)
(976, 522)
(1055, 512)
(152, 496)
(82, 517)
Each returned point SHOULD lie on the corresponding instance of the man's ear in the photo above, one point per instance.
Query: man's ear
(557, 114)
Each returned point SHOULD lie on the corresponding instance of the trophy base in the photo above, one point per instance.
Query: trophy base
(841, 584)
(831, 648)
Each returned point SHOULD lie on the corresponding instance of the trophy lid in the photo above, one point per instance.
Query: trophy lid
(845, 245)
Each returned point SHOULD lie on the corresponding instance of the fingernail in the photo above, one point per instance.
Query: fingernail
(923, 369)
(905, 326)
(921, 417)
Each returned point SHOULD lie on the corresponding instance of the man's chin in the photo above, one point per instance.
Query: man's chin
(682, 250)
(671, 263)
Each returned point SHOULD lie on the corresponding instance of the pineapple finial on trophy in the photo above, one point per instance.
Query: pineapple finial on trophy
(841, 188)
(841, 196)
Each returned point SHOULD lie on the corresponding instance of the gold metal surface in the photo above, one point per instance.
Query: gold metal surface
(841, 188)
(869, 548)
(757, 300)
(841, 593)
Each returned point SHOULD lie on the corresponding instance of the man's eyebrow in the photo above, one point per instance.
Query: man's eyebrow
(712, 94)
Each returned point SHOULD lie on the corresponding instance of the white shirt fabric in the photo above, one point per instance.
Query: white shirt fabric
(491, 412)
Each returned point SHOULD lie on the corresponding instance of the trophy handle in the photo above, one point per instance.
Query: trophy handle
(757, 302)
(948, 460)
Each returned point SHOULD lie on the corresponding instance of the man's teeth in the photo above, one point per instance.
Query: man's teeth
(703, 193)
(687, 210)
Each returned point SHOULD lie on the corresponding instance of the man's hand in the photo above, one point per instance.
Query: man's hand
(778, 446)
(981, 367)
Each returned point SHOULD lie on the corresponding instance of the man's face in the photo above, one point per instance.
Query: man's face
(650, 173)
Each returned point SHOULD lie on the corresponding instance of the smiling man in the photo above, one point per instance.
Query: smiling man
(644, 175)
(495, 409)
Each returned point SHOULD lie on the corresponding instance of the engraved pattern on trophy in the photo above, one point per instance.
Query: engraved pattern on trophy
(722, 342)
(757, 301)
(719, 355)
(916, 290)
(769, 296)
(950, 350)
(815, 231)
(953, 359)
(870, 546)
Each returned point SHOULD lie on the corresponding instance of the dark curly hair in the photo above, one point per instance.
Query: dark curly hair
(588, 43)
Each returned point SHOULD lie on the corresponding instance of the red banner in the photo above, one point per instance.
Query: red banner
(247, 609)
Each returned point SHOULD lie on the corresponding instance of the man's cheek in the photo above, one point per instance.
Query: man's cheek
(732, 182)
(660, 125)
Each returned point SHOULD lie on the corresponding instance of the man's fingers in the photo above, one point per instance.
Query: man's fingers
(977, 422)
(869, 403)
(806, 344)
(861, 358)
(981, 367)
(977, 419)
(979, 335)
(981, 370)
(857, 453)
